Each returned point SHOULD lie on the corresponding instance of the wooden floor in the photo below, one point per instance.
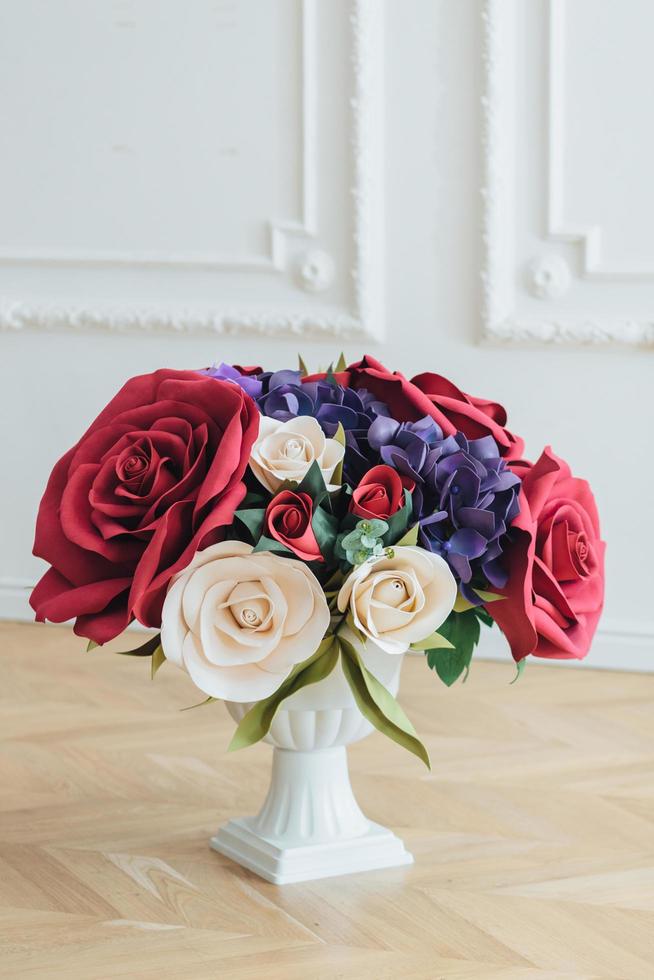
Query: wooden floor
(533, 835)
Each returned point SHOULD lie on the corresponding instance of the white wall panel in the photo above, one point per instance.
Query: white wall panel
(212, 165)
(569, 157)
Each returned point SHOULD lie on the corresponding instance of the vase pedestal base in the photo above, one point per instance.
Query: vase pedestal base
(270, 859)
(310, 825)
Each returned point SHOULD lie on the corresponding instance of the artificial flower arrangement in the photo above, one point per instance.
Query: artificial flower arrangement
(270, 524)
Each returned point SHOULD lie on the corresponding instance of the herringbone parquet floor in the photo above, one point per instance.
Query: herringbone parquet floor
(533, 835)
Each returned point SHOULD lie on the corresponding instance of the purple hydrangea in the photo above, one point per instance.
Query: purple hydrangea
(225, 372)
(412, 448)
(465, 496)
(356, 410)
(477, 498)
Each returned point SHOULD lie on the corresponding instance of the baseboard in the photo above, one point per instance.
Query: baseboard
(617, 646)
(14, 599)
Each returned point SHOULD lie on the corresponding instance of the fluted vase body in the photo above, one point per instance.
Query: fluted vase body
(310, 824)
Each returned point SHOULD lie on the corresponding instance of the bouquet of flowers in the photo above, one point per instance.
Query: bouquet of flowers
(271, 524)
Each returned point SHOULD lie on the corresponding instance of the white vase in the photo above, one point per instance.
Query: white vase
(310, 825)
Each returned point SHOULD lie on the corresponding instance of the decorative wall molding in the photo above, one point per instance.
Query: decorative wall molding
(367, 159)
(589, 238)
(316, 270)
(636, 333)
(227, 322)
(496, 145)
(548, 276)
(361, 318)
(502, 320)
(277, 231)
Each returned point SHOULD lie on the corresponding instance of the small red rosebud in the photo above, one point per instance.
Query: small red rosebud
(380, 494)
(288, 520)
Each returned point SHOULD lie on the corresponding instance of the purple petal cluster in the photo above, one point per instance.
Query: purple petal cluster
(225, 372)
(465, 496)
(282, 395)
(356, 410)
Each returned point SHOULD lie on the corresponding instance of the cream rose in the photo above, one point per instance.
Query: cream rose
(400, 600)
(238, 622)
(286, 450)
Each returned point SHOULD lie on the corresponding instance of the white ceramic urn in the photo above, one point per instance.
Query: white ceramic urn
(310, 825)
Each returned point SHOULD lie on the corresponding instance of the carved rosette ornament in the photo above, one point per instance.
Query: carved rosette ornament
(548, 277)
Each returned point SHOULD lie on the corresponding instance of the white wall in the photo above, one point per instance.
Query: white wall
(178, 190)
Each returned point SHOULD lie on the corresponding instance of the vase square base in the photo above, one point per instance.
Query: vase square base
(377, 848)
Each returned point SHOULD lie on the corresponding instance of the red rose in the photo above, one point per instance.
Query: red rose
(433, 395)
(151, 481)
(248, 370)
(380, 494)
(406, 402)
(475, 417)
(288, 520)
(555, 589)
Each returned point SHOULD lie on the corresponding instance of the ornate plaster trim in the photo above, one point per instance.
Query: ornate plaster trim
(363, 319)
(500, 324)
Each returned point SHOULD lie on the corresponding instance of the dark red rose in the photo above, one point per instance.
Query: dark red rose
(433, 395)
(380, 494)
(288, 520)
(249, 370)
(475, 417)
(154, 479)
(406, 402)
(555, 561)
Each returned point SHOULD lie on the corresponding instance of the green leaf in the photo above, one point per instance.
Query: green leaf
(158, 657)
(91, 645)
(339, 437)
(255, 724)
(334, 582)
(313, 483)
(199, 704)
(366, 536)
(461, 604)
(303, 368)
(270, 544)
(398, 523)
(483, 616)
(325, 527)
(329, 376)
(520, 666)
(351, 540)
(255, 498)
(145, 650)
(375, 527)
(410, 539)
(488, 596)
(448, 664)
(433, 642)
(341, 363)
(462, 630)
(378, 705)
(252, 518)
(361, 637)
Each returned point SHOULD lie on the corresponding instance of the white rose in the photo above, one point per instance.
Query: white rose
(238, 622)
(286, 450)
(400, 600)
